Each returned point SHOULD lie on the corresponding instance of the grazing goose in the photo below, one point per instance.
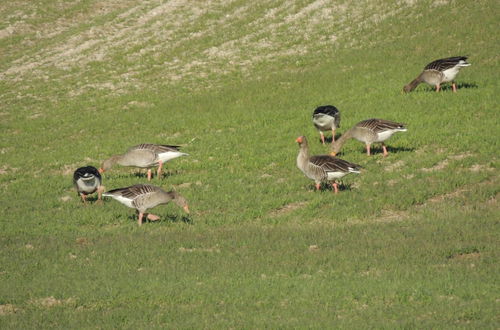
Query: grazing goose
(144, 196)
(369, 131)
(87, 180)
(438, 72)
(144, 155)
(322, 168)
(325, 118)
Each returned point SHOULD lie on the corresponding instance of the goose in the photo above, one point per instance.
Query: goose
(325, 118)
(369, 131)
(145, 196)
(323, 168)
(438, 72)
(87, 180)
(144, 155)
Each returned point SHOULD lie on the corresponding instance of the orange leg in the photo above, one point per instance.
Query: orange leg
(454, 87)
(149, 174)
(84, 198)
(384, 148)
(318, 186)
(335, 187)
(139, 221)
(333, 135)
(159, 169)
(438, 87)
(368, 149)
(322, 137)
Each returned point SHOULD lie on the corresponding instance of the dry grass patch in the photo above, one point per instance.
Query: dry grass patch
(50, 302)
(7, 309)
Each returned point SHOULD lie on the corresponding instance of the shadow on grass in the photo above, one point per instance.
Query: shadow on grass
(377, 149)
(447, 87)
(328, 187)
(167, 218)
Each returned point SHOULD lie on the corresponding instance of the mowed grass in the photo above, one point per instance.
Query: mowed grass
(412, 241)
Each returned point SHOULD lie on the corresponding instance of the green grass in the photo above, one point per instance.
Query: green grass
(411, 242)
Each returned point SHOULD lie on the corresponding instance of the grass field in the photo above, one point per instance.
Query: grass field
(411, 242)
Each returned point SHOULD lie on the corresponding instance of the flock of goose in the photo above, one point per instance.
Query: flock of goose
(319, 168)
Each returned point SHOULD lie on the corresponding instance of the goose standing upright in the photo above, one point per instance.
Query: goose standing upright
(87, 180)
(323, 168)
(438, 72)
(144, 196)
(144, 155)
(369, 131)
(325, 118)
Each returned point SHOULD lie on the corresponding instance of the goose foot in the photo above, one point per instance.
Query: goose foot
(149, 174)
(384, 149)
(335, 187)
(152, 217)
(454, 87)
(438, 87)
(139, 220)
(318, 186)
(368, 149)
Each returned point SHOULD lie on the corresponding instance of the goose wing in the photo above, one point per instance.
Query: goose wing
(156, 148)
(445, 63)
(380, 125)
(333, 164)
(86, 172)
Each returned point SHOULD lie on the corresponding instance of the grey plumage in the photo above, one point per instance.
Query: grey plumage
(145, 155)
(144, 196)
(370, 131)
(438, 72)
(322, 168)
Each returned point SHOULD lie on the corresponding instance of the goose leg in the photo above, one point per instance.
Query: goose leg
(159, 169)
(368, 149)
(333, 135)
(384, 148)
(149, 174)
(318, 186)
(335, 187)
(438, 87)
(454, 87)
(139, 220)
(322, 137)
(99, 193)
(84, 200)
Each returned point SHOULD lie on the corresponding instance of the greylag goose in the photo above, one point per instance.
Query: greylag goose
(87, 180)
(323, 168)
(144, 155)
(325, 118)
(144, 196)
(369, 131)
(438, 72)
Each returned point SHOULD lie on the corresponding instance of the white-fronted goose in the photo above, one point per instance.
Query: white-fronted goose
(370, 131)
(323, 168)
(144, 155)
(87, 180)
(144, 196)
(438, 72)
(326, 118)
